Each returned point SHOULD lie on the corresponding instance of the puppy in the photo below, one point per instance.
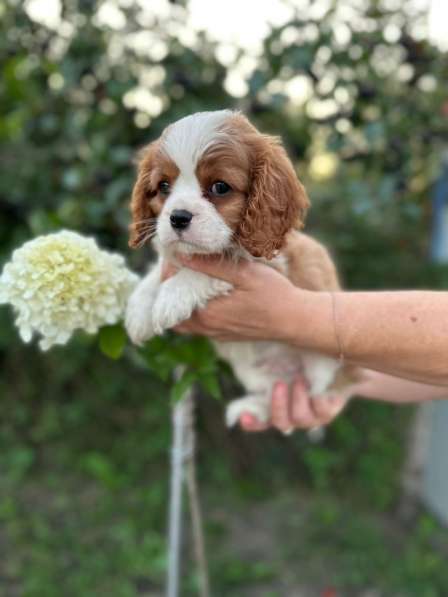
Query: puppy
(213, 184)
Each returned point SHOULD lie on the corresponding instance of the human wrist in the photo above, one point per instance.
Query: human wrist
(307, 321)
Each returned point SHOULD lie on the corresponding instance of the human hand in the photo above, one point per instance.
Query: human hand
(261, 305)
(293, 408)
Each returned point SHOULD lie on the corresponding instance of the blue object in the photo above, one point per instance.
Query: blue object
(435, 474)
(439, 245)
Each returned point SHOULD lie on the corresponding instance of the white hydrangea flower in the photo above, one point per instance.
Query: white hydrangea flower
(62, 282)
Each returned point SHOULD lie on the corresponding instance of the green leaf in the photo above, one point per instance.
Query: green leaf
(209, 382)
(182, 385)
(101, 468)
(112, 340)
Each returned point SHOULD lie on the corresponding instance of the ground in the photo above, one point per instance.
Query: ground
(62, 538)
(83, 495)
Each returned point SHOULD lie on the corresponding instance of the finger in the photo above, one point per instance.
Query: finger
(322, 409)
(249, 423)
(184, 328)
(168, 270)
(280, 408)
(215, 266)
(326, 408)
(197, 324)
(301, 414)
(192, 325)
(224, 337)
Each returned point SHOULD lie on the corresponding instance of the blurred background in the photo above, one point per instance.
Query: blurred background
(358, 91)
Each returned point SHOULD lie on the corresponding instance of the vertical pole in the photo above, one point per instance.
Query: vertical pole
(197, 525)
(183, 468)
(181, 418)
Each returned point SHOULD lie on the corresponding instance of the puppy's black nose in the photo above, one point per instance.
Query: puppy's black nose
(180, 218)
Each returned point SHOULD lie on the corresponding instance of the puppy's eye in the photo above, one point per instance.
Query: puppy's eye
(220, 188)
(164, 187)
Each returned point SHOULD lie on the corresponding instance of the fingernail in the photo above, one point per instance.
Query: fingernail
(247, 419)
(280, 388)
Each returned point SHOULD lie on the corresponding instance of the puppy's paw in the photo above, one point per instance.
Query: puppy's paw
(138, 319)
(172, 306)
(257, 406)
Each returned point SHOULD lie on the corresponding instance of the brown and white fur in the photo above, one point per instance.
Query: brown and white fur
(176, 202)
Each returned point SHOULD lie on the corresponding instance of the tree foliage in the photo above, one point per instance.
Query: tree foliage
(359, 98)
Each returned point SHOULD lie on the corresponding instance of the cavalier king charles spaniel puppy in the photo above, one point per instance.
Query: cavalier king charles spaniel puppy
(213, 184)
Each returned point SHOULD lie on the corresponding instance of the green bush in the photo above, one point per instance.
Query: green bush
(84, 439)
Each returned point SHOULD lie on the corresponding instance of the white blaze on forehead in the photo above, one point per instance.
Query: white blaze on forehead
(187, 139)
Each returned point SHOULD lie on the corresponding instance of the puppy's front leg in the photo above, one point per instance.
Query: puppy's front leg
(180, 295)
(139, 319)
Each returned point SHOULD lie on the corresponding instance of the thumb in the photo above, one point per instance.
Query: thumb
(215, 266)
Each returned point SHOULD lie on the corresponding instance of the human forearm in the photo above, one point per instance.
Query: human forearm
(401, 333)
(381, 386)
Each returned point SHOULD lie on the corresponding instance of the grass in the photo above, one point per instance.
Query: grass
(83, 494)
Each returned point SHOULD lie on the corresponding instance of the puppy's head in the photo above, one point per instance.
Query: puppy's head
(211, 183)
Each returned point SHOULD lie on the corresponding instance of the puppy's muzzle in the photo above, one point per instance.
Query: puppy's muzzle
(180, 219)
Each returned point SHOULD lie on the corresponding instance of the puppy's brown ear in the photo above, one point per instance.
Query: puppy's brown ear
(277, 200)
(143, 217)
